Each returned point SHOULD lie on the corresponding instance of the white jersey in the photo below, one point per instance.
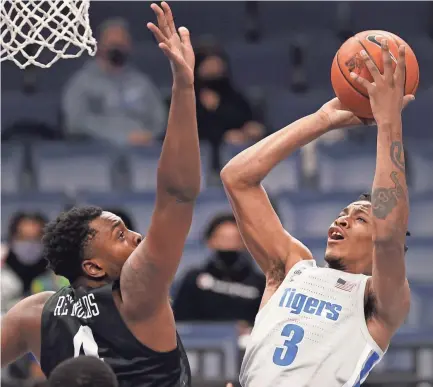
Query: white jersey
(312, 332)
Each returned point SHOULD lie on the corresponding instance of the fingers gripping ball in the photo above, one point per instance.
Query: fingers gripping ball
(348, 59)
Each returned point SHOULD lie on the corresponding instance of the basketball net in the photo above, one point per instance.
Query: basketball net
(40, 32)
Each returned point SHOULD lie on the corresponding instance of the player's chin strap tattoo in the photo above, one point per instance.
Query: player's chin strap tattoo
(384, 200)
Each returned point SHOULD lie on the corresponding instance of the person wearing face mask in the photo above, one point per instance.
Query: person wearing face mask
(22, 256)
(224, 115)
(109, 99)
(227, 287)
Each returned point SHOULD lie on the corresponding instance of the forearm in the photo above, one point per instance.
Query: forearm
(251, 166)
(390, 216)
(389, 194)
(179, 165)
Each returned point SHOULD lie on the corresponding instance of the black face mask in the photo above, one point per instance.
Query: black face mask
(117, 57)
(228, 257)
(219, 85)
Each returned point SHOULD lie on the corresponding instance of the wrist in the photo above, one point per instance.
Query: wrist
(182, 82)
(389, 124)
(323, 121)
(183, 87)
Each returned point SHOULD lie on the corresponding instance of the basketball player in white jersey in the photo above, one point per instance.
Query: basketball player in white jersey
(328, 326)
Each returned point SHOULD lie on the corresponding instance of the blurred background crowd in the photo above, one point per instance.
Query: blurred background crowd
(89, 131)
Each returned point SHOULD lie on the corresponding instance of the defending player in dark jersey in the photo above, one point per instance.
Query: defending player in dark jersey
(118, 306)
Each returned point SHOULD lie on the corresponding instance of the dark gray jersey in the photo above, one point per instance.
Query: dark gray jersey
(86, 321)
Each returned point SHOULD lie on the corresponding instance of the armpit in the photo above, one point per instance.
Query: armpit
(276, 273)
(370, 305)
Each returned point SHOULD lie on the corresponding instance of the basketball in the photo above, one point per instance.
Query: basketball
(348, 59)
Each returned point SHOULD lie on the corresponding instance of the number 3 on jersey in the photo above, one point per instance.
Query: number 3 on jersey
(84, 338)
(284, 356)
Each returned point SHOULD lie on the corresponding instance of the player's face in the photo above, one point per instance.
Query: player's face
(350, 244)
(112, 245)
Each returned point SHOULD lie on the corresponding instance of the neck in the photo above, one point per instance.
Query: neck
(106, 67)
(90, 283)
(336, 264)
(348, 267)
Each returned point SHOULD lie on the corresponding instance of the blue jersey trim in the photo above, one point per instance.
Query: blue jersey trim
(368, 366)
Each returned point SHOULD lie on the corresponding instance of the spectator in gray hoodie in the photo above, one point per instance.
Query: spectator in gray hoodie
(108, 99)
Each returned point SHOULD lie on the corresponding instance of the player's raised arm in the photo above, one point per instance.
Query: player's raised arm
(148, 273)
(270, 245)
(390, 201)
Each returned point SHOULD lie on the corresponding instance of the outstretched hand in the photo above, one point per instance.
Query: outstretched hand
(176, 46)
(386, 92)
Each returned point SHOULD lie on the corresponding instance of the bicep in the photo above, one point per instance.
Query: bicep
(148, 273)
(389, 283)
(262, 231)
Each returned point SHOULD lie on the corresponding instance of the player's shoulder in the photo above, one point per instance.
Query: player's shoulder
(28, 311)
(34, 302)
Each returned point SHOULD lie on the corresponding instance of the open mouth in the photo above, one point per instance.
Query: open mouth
(335, 235)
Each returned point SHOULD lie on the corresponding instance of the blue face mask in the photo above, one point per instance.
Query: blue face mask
(27, 252)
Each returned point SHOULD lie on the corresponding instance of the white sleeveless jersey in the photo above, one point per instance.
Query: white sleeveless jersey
(312, 332)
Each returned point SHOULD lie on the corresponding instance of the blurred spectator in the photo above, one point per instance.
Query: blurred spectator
(48, 281)
(11, 286)
(227, 287)
(22, 259)
(110, 99)
(39, 383)
(83, 371)
(298, 74)
(223, 113)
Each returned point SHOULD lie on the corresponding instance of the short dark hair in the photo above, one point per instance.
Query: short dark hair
(367, 197)
(66, 238)
(83, 371)
(19, 216)
(216, 222)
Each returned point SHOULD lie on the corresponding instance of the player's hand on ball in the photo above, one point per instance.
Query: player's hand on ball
(386, 93)
(176, 46)
(336, 116)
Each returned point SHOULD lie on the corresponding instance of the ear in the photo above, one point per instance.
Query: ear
(93, 269)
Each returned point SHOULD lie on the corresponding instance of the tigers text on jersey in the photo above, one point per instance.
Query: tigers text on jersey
(312, 332)
(86, 321)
